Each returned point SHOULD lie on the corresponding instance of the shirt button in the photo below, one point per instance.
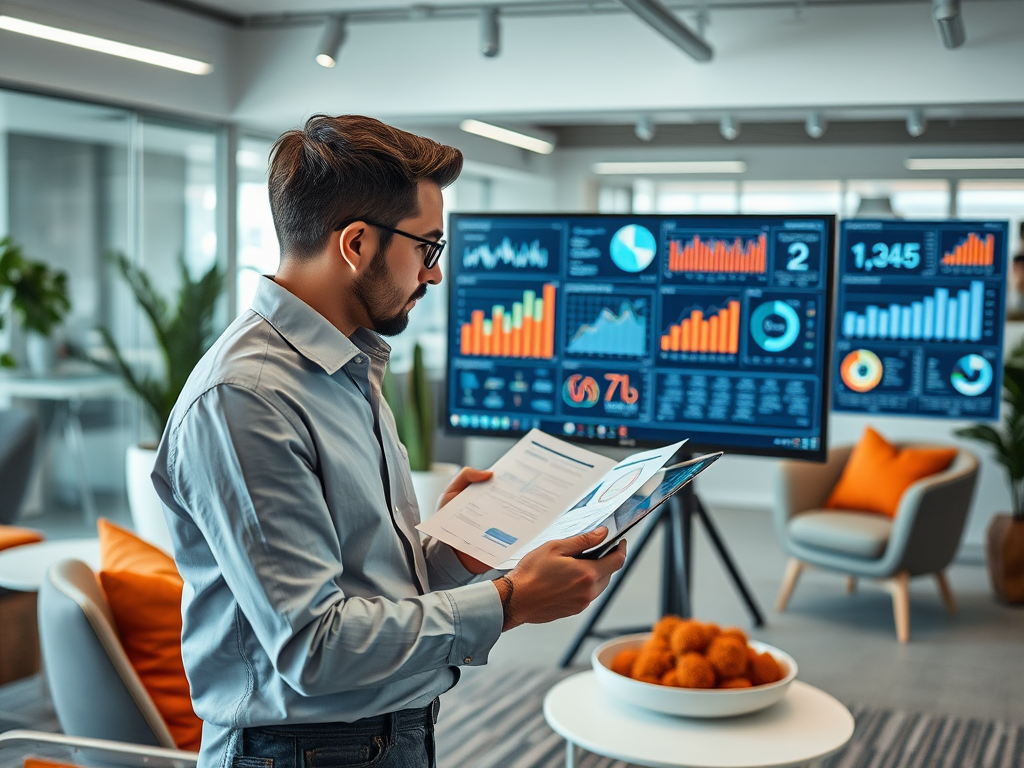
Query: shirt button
(467, 660)
(358, 360)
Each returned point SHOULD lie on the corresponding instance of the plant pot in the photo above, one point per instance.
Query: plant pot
(430, 485)
(1005, 557)
(146, 508)
(40, 353)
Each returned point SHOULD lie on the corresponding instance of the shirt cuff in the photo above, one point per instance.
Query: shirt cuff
(478, 622)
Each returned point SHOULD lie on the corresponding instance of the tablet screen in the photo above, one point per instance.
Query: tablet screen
(649, 496)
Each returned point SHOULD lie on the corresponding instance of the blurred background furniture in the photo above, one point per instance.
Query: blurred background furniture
(921, 539)
(23, 569)
(19, 435)
(85, 663)
(34, 749)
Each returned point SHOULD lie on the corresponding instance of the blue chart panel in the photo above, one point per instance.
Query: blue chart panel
(783, 331)
(604, 325)
(498, 391)
(920, 318)
(610, 248)
(528, 249)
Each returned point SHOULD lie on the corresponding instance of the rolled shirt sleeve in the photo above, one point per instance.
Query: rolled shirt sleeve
(247, 472)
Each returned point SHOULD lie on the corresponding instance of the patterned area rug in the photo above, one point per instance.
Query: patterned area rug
(493, 718)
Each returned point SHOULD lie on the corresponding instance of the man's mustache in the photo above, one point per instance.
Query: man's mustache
(419, 293)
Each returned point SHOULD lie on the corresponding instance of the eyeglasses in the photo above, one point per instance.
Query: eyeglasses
(432, 252)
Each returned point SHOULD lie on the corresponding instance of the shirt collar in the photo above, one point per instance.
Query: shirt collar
(310, 333)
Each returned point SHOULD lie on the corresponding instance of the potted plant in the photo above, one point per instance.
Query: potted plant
(39, 298)
(1005, 538)
(184, 332)
(411, 403)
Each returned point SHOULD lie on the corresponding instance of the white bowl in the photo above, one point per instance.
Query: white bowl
(689, 702)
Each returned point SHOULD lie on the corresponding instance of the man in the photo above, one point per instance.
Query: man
(317, 629)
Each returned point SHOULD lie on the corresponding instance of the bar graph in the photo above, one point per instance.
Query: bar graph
(745, 255)
(718, 331)
(972, 251)
(946, 315)
(524, 330)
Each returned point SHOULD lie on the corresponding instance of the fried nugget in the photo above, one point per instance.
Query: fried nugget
(735, 682)
(687, 637)
(665, 626)
(728, 656)
(669, 678)
(694, 671)
(711, 631)
(648, 679)
(736, 632)
(623, 662)
(764, 669)
(654, 660)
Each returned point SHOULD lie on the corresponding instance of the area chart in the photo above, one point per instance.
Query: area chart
(719, 255)
(602, 330)
(972, 251)
(720, 332)
(527, 329)
(942, 316)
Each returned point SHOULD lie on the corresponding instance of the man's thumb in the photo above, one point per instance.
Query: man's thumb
(584, 541)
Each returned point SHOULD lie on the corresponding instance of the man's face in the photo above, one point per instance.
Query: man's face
(396, 276)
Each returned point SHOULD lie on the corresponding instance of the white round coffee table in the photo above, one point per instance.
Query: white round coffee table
(24, 568)
(808, 725)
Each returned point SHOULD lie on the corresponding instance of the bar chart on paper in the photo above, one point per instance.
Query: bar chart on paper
(521, 328)
(948, 314)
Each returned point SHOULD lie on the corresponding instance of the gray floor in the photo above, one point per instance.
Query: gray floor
(971, 665)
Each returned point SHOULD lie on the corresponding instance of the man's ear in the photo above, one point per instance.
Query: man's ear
(355, 245)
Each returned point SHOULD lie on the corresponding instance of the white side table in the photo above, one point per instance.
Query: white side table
(24, 568)
(808, 725)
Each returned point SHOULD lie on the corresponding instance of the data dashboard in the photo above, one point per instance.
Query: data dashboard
(919, 321)
(638, 329)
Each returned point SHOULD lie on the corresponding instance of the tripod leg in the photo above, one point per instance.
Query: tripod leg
(602, 602)
(684, 557)
(726, 558)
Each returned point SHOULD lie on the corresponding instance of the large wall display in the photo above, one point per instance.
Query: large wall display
(919, 320)
(640, 329)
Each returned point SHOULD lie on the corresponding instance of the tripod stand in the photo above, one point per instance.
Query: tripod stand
(676, 515)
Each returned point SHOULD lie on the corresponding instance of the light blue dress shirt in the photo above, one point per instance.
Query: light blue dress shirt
(307, 599)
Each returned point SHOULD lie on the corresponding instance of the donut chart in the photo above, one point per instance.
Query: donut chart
(972, 375)
(775, 326)
(861, 370)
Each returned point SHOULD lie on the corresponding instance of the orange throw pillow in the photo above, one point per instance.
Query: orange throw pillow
(878, 473)
(143, 589)
(13, 536)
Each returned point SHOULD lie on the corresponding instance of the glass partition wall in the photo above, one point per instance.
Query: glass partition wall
(79, 184)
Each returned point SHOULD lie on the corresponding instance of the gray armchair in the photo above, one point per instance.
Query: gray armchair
(96, 692)
(19, 433)
(922, 539)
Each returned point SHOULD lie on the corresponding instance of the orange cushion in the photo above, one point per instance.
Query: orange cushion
(878, 473)
(12, 536)
(39, 762)
(143, 589)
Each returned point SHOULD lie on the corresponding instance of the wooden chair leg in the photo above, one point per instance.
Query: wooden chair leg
(851, 584)
(900, 587)
(947, 594)
(793, 569)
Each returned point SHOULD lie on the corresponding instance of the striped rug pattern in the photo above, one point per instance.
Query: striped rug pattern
(492, 719)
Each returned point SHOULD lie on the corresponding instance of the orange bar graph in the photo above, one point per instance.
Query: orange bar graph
(719, 333)
(713, 255)
(972, 252)
(527, 329)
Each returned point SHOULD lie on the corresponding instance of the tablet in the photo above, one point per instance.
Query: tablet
(647, 498)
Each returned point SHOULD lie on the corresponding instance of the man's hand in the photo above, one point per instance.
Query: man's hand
(462, 481)
(552, 582)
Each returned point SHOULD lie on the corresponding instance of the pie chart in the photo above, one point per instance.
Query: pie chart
(972, 375)
(633, 248)
(774, 326)
(861, 370)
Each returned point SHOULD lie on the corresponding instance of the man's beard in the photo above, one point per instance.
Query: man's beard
(382, 298)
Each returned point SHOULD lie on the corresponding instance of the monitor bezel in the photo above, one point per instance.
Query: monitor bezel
(692, 447)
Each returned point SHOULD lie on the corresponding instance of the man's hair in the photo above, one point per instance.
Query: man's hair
(341, 169)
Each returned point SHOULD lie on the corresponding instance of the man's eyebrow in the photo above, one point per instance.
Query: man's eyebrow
(435, 234)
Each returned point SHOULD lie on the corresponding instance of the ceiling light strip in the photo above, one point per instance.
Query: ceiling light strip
(103, 45)
(674, 167)
(964, 164)
(506, 136)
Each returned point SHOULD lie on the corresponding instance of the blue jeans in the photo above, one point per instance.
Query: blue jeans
(403, 739)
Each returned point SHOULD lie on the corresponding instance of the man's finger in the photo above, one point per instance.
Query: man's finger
(467, 477)
(575, 545)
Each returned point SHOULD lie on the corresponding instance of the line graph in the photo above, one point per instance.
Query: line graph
(600, 325)
(525, 255)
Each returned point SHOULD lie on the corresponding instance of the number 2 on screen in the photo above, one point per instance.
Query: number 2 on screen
(798, 253)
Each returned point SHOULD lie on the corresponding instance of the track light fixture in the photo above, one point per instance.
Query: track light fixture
(645, 128)
(666, 23)
(330, 42)
(490, 32)
(729, 127)
(949, 22)
(815, 125)
(916, 123)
